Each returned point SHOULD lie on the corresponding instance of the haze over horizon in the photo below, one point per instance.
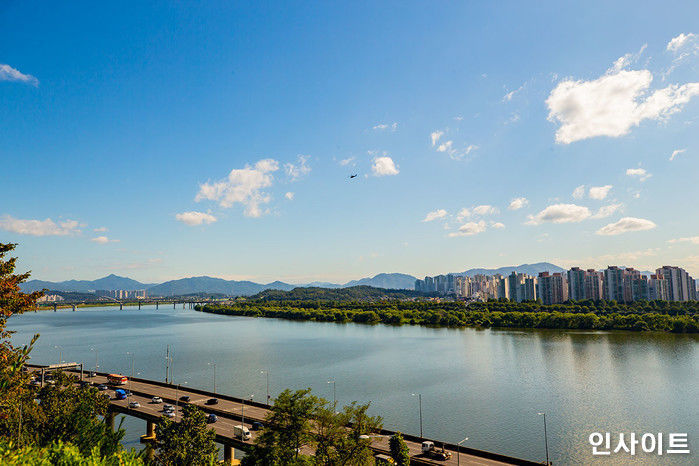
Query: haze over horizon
(158, 141)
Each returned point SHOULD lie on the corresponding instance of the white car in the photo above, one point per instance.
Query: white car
(134, 404)
(169, 414)
(156, 399)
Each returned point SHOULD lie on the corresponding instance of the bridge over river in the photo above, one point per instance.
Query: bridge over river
(232, 411)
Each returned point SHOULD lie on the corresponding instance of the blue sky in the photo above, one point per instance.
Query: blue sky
(167, 140)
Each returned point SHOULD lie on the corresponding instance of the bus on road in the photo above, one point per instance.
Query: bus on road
(117, 379)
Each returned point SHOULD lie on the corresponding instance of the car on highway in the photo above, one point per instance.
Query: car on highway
(184, 398)
(134, 404)
(212, 401)
(156, 399)
(91, 374)
(169, 414)
(102, 387)
(257, 426)
(211, 418)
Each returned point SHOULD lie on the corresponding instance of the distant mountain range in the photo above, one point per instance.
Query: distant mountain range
(211, 285)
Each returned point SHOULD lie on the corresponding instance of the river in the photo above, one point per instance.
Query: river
(487, 385)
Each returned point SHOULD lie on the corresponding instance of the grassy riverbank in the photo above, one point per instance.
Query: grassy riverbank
(647, 316)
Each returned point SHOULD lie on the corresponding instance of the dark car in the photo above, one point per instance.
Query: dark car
(257, 426)
(84, 383)
(102, 387)
(211, 418)
(184, 398)
(212, 401)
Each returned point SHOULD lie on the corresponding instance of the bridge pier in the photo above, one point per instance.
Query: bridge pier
(149, 439)
(228, 454)
(55, 306)
(139, 305)
(173, 305)
(156, 305)
(73, 307)
(121, 307)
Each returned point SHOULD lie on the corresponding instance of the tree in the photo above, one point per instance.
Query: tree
(344, 438)
(287, 430)
(399, 450)
(63, 454)
(186, 443)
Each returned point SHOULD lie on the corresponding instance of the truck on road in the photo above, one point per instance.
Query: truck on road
(241, 432)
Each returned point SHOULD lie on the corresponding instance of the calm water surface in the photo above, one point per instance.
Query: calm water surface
(487, 385)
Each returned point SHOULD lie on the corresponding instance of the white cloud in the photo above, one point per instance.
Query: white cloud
(612, 104)
(298, 171)
(599, 192)
(607, 210)
(435, 135)
(579, 192)
(639, 173)
(497, 225)
(625, 225)
(463, 214)
(691, 239)
(7, 73)
(289, 196)
(434, 215)
(507, 97)
(244, 186)
(445, 146)
(384, 126)
(384, 166)
(560, 213)
(485, 210)
(103, 240)
(518, 203)
(195, 218)
(469, 229)
(675, 153)
(347, 161)
(100, 230)
(678, 42)
(40, 227)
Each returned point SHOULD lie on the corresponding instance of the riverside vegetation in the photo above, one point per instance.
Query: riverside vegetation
(662, 316)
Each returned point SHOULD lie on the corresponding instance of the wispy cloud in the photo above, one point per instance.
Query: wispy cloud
(435, 136)
(434, 215)
(100, 230)
(608, 210)
(639, 173)
(289, 195)
(625, 225)
(384, 126)
(689, 239)
(298, 170)
(518, 203)
(193, 218)
(347, 161)
(579, 192)
(560, 213)
(599, 192)
(676, 152)
(103, 240)
(7, 73)
(507, 97)
(469, 229)
(45, 227)
(244, 186)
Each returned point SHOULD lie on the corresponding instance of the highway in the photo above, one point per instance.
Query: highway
(229, 412)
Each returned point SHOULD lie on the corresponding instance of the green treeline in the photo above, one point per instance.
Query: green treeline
(663, 316)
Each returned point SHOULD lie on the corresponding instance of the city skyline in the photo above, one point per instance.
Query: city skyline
(226, 149)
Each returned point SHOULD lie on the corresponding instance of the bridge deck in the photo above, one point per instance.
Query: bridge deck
(229, 413)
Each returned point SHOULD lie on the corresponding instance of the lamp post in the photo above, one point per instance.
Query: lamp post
(214, 366)
(546, 438)
(242, 413)
(96, 357)
(458, 453)
(266, 373)
(419, 399)
(334, 397)
(60, 353)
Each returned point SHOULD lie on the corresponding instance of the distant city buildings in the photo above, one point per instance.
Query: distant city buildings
(50, 298)
(620, 284)
(122, 294)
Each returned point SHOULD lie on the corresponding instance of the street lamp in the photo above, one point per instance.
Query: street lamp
(546, 438)
(96, 357)
(242, 413)
(214, 366)
(266, 373)
(334, 398)
(458, 453)
(419, 399)
(60, 353)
